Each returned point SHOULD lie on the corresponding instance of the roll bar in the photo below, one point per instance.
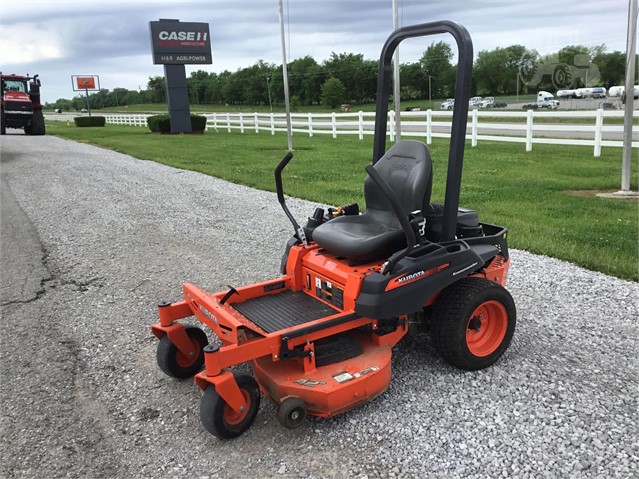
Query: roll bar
(460, 109)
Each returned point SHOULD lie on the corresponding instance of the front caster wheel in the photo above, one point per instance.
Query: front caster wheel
(220, 419)
(291, 413)
(175, 363)
(473, 323)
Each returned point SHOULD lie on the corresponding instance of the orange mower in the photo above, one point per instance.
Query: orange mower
(319, 338)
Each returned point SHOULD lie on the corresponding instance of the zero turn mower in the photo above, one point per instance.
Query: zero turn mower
(319, 338)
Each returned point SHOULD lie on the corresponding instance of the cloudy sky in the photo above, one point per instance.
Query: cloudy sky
(57, 39)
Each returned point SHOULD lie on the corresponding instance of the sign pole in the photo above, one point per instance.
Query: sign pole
(86, 92)
(287, 102)
(626, 160)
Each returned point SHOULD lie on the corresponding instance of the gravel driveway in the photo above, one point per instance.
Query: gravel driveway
(92, 240)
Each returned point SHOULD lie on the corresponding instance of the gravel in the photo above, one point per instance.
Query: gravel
(82, 395)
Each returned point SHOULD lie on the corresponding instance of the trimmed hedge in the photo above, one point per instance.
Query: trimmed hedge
(82, 121)
(162, 123)
(158, 123)
(198, 122)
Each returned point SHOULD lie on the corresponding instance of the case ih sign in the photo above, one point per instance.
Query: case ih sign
(180, 43)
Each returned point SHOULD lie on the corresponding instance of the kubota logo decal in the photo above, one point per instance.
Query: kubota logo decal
(208, 314)
(413, 277)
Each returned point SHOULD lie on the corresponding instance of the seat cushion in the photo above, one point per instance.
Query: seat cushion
(361, 237)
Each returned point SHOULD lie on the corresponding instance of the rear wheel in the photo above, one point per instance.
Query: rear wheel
(3, 123)
(177, 364)
(37, 124)
(222, 420)
(473, 323)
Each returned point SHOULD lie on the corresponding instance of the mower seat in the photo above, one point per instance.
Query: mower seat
(377, 234)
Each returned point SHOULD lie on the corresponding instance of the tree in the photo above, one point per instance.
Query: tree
(412, 81)
(577, 61)
(299, 81)
(612, 67)
(312, 84)
(435, 63)
(496, 72)
(333, 92)
(196, 85)
(358, 76)
(156, 89)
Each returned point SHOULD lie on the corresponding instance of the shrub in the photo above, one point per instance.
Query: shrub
(198, 122)
(82, 121)
(162, 123)
(159, 123)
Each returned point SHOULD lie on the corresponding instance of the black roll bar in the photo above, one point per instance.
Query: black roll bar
(460, 109)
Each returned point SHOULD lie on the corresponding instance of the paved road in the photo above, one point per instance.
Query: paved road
(91, 240)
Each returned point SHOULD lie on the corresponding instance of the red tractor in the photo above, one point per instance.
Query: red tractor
(21, 107)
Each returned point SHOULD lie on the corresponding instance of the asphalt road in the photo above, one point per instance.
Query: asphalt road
(91, 240)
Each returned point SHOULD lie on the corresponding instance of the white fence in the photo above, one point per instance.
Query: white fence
(507, 126)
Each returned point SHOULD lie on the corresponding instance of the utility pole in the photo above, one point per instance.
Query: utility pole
(268, 87)
(430, 96)
(396, 86)
(287, 102)
(626, 160)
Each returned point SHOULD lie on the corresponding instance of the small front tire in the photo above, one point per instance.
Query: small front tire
(220, 419)
(175, 363)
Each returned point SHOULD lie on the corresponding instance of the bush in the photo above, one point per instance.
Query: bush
(159, 123)
(198, 122)
(82, 121)
(162, 123)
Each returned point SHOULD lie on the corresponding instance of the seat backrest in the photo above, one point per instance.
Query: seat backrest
(407, 168)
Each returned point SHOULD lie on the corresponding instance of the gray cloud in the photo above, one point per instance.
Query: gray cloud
(111, 38)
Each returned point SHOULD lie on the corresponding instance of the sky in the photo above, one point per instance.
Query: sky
(57, 39)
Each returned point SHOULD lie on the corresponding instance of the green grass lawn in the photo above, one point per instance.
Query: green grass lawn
(508, 186)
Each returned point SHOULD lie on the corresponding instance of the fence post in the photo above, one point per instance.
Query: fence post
(529, 130)
(598, 131)
(215, 121)
(310, 124)
(361, 125)
(429, 126)
(241, 122)
(392, 125)
(272, 124)
(257, 125)
(334, 125)
(474, 128)
(228, 122)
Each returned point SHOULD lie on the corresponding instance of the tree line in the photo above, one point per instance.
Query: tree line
(349, 78)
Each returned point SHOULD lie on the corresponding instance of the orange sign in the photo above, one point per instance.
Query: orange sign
(85, 83)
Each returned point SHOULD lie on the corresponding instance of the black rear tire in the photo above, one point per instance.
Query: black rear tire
(473, 323)
(37, 124)
(220, 419)
(3, 123)
(175, 364)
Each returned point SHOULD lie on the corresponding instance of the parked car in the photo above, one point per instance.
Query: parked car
(474, 102)
(487, 102)
(448, 104)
